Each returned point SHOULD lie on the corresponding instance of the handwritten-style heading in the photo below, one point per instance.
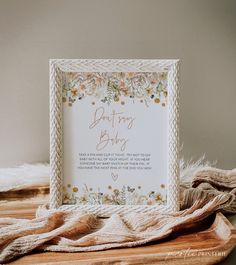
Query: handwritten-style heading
(115, 120)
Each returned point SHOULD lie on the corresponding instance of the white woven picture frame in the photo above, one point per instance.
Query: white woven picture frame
(57, 67)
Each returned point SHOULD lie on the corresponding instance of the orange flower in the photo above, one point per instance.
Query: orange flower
(66, 197)
(82, 87)
(122, 84)
(158, 197)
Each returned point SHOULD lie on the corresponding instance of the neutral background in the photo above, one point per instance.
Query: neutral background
(202, 33)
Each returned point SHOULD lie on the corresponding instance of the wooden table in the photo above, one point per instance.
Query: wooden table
(160, 253)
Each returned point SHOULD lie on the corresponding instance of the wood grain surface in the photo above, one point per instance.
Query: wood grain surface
(210, 244)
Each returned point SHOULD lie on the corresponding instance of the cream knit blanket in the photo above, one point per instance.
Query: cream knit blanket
(210, 190)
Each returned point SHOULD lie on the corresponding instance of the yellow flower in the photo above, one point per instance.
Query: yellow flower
(83, 199)
(130, 74)
(116, 98)
(116, 192)
(106, 199)
(157, 100)
(162, 76)
(149, 91)
(71, 74)
(74, 92)
(124, 90)
(75, 189)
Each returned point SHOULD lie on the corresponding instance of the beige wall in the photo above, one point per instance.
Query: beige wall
(202, 33)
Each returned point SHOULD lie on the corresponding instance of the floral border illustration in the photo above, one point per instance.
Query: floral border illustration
(114, 196)
(110, 87)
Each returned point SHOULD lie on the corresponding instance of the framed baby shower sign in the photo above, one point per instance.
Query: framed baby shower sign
(114, 135)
